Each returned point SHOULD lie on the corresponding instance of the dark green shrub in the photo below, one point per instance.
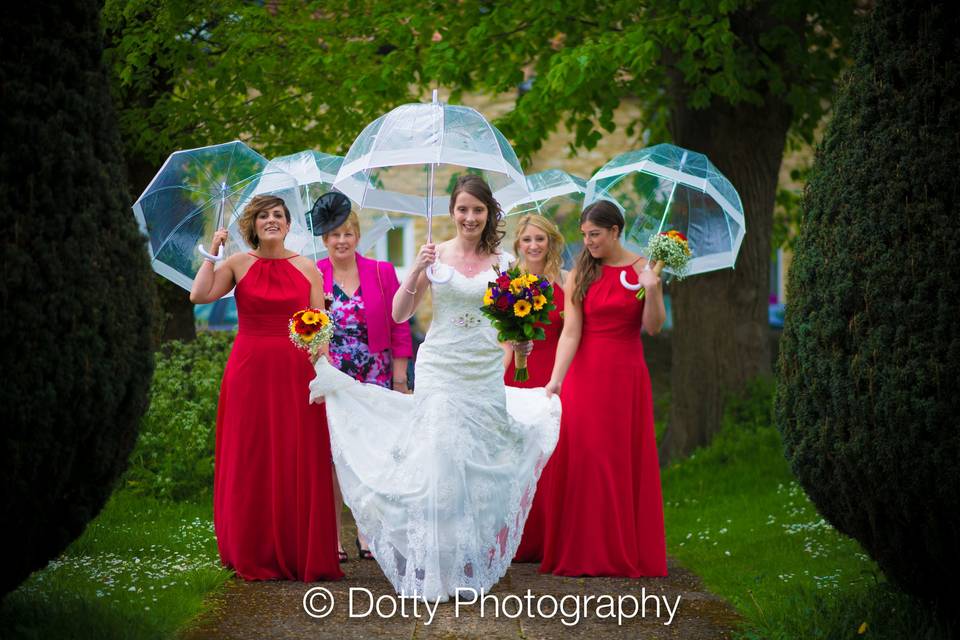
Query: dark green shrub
(173, 458)
(752, 409)
(77, 290)
(869, 394)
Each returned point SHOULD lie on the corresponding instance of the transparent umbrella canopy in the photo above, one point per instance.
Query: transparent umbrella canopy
(408, 160)
(313, 171)
(195, 192)
(299, 179)
(547, 185)
(558, 196)
(667, 187)
(310, 167)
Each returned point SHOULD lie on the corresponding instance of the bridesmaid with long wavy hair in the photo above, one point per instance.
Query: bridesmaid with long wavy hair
(604, 506)
(538, 246)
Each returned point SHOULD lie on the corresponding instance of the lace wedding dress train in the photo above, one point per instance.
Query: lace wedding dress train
(441, 482)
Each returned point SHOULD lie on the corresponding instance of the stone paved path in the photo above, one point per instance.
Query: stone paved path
(267, 610)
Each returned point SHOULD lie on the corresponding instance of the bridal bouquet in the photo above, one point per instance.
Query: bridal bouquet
(515, 302)
(310, 329)
(667, 249)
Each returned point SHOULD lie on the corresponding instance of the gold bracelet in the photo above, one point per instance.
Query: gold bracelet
(413, 293)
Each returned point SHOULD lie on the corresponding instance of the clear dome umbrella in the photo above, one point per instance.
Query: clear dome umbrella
(558, 196)
(299, 179)
(314, 172)
(196, 192)
(310, 167)
(547, 185)
(408, 161)
(668, 187)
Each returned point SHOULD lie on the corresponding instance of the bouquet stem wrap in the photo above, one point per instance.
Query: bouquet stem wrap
(520, 367)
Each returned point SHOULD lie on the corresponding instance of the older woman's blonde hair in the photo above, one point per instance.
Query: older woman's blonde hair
(248, 224)
(353, 220)
(553, 260)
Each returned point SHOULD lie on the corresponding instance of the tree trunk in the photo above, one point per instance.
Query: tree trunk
(720, 335)
(179, 323)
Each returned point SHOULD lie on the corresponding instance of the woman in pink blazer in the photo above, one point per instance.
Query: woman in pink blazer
(367, 344)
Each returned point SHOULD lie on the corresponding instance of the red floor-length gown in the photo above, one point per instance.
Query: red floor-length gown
(539, 367)
(604, 504)
(273, 506)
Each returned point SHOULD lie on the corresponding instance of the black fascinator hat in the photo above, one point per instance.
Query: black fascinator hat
(329, 212)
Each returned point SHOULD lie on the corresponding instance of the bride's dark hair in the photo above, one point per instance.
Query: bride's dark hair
(493, 231)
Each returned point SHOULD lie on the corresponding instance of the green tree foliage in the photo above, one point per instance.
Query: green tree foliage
(290, 76)
(285, 76)
(870, 355)
(76, 289)
(589, 56)
(729, 78)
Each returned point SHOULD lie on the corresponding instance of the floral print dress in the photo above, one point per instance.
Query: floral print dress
(349, 350)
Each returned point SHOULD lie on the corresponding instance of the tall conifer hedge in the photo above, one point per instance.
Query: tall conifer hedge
(76, 285)
(869, 394)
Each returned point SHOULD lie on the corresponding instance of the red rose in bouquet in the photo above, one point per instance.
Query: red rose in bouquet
(310, 329)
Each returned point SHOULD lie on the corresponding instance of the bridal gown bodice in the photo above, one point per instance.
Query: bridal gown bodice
(441, 482)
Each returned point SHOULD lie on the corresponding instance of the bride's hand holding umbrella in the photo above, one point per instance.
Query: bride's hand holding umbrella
(425, 257)
(411, 289)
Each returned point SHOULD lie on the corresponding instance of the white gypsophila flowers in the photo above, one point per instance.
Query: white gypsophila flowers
(672, 251)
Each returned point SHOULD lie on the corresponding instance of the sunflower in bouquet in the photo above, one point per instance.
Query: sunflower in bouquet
(310, 330)
(515, 302)
(667, 249)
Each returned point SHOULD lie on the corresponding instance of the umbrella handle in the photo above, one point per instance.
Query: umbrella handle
(657, 268)
(210, 256)
(628, 286)
(438, 279)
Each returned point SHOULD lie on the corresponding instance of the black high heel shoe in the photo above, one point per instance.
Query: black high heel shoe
(363, 554)
(342, 555)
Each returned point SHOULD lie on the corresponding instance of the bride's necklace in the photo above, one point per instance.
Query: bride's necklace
(472, 263)
(473, 268)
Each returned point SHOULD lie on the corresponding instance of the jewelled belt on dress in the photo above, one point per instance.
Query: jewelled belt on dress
(467, 320)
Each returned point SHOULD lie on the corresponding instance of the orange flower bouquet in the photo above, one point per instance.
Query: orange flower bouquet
(310, 329)
(515, 303)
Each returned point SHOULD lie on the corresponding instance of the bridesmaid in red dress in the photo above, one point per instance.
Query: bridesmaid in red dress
(273, 507)
(605, 510)
(539, 247)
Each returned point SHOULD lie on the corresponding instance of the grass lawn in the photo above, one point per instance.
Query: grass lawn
(140, 570)
(735, 516)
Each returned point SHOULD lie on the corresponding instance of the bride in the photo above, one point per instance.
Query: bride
(441, 482)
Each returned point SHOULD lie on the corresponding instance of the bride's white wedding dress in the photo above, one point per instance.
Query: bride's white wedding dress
(441, 482)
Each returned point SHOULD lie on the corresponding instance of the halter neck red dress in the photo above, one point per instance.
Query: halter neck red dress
(273, 507)
(540, 368)
(604, 506)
